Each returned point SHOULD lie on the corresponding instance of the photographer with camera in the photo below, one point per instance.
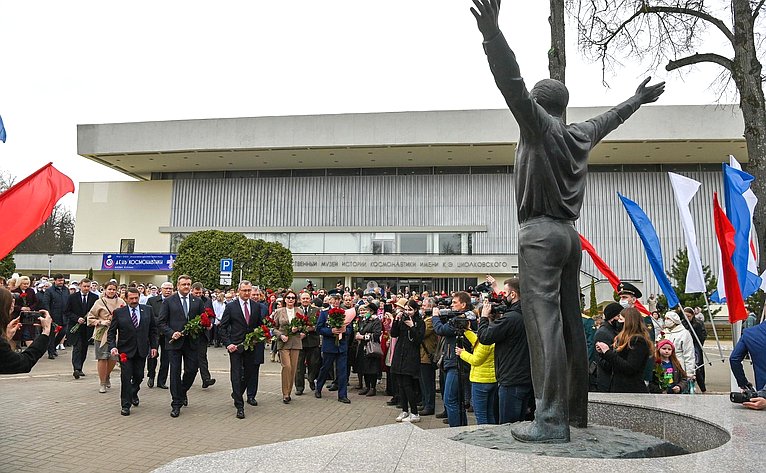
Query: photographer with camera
(512, 363)
(451, 326)
(753, 343)
(10, 361)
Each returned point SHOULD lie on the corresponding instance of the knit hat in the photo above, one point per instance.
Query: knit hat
(673, 316)
(664, 342)
(611, 311)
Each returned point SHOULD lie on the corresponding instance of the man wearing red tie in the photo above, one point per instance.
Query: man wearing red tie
(240, 317)
(132, 336)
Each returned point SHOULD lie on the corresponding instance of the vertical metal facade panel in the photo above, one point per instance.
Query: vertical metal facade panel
(448, 200)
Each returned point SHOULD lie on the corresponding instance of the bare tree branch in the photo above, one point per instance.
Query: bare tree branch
(691, 12)
(757, 9)
(698, 58)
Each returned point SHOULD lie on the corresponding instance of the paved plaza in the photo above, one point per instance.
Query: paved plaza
(52, 422)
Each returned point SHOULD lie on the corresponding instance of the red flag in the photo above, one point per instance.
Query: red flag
(725, 232)
(606, 270)
(27, 205)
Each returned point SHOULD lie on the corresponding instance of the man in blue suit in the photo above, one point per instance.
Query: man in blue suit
(133, 332)
(332, 353)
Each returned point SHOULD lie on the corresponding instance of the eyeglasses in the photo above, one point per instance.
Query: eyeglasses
(290, 297)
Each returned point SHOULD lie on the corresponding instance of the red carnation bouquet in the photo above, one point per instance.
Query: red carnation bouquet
(336, 318)
(259, 335)
(195, 326)
(269, 322)
(123, 357)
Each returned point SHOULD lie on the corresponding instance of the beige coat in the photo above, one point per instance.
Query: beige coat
(282, 321)
(100, 316)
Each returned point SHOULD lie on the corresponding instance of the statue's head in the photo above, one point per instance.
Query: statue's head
(552, 95)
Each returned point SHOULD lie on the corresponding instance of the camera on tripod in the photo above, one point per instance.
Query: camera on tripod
(749, 393)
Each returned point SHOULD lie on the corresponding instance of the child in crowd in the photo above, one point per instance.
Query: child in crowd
(669, 375)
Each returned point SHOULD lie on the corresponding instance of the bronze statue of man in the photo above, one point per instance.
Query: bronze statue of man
(550, 169)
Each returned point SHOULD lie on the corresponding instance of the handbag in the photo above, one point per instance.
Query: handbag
(372, 349)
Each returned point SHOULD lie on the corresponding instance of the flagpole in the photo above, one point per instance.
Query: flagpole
(696, 339)
(715, 331)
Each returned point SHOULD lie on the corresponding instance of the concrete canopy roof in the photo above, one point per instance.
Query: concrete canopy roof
(685, 134)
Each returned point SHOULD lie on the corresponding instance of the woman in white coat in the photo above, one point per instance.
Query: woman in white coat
(682, 340)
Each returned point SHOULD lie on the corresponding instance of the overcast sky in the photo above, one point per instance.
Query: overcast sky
(95, 61)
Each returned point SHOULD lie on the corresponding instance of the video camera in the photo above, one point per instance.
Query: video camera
(457, 320)
(750, 392)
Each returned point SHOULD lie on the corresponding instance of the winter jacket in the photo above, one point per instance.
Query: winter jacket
(512, 365)
(430, 341)
(628, 367)
(684, 343)
(604, 334)
(406, 359)
(449, 359)
(655, 385)
(482, 360)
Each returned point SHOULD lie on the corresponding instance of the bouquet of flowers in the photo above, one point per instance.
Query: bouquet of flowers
(259, 335)
(123, 357)
(195, 326)
(268, 321)
(336, 318)
(300, 322)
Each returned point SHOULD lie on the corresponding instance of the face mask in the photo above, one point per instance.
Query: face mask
(624, 303)
(669, 323)
(473, 300)
(618, 325)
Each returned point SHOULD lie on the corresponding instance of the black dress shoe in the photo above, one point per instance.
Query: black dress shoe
(51, 357)
(299, 392)
(442, 415)
(206, 384)
(445, 421)
(150, 382)
(134, 401)
(318, 394)
(312, 385)
(125, 411)
(252, 401)
(76, 375)
(161, 385)
(186, 401)
(240, 413)
(427, 412)
(392, 402)
(286, 400)
(344, 400)
(175, 412)
(333, 387)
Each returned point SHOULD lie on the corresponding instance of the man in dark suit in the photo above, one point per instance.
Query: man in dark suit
(332, 353)
(309, 356)
(240, 317)
(133, 333)
(77, 308)
(155, 302)
(176, 310)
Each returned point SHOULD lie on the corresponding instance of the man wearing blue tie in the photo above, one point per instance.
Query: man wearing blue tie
(132, 336)
(175, 312)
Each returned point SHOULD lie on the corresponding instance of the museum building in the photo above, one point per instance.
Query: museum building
(418, 199)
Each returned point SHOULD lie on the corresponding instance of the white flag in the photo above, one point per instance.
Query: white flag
(684, 190)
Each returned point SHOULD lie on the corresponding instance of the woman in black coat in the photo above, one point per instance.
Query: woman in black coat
(408, 328)
(632, 349)
(10, 361)
(370, 328)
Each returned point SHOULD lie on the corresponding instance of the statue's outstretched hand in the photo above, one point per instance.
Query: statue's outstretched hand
(486, 13)
(649, 94)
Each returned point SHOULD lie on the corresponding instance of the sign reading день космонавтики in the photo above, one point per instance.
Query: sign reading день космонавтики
(137, 262)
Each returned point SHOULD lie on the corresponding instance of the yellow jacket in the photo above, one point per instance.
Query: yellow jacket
(482, 360)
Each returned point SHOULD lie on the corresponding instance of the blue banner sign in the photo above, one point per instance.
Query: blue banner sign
(138, 262)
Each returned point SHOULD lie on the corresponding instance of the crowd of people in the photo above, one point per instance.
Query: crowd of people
(469, 346)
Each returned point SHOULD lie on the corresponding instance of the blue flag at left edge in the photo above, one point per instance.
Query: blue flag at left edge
(651, 242)
(2, 130)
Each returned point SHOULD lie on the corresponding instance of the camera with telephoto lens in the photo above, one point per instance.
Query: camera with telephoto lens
(30, 317)
(747, 395)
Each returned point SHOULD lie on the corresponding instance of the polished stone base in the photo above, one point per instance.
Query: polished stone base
(719, 435)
